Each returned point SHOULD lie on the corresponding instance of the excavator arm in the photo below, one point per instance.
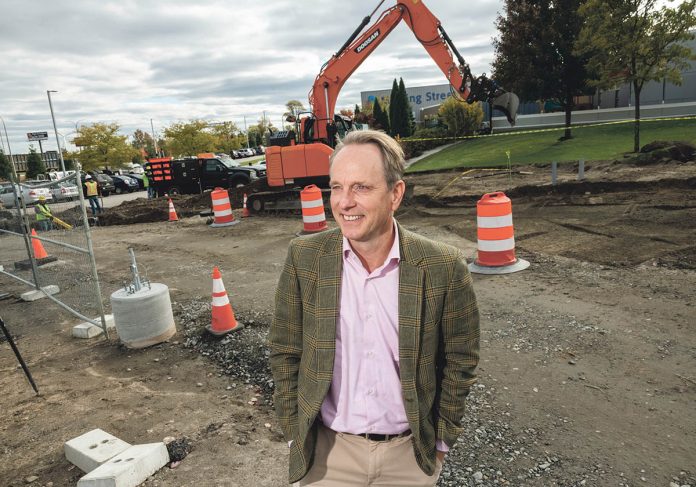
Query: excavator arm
(430, 33)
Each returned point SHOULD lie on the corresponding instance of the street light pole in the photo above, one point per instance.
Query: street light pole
(55, 129)
(154, 139)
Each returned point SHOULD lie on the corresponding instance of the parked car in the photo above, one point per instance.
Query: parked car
(29, 193)
(124, 184)
(247, 152)
(260, 150)
(64, 191)
(138, 178)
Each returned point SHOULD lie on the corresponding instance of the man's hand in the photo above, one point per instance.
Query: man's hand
(440, 455)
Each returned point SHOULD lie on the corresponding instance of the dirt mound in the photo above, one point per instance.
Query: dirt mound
(662, 150)
(679, 259)
(142, 210)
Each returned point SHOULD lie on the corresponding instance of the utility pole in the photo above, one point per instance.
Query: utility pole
(55, 129)
(9, 151)
(154, 138)
(246, 132)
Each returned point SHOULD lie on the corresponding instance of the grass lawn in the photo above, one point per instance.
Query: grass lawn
(591, 143)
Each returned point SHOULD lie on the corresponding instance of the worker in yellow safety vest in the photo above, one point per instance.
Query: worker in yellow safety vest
(43, 215)
(92, 193)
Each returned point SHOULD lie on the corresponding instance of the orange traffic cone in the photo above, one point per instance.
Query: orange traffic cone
(245, 210)
(223, 316)
(39, 251)
(172, 212)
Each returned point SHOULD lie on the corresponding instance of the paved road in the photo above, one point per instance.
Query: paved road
(106, 202)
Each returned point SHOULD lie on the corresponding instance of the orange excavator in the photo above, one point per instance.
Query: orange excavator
(299, 157)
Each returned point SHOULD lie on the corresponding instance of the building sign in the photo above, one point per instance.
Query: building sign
(419, 97)
(33, 136)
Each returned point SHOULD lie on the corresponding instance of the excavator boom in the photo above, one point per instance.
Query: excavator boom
(430, 33)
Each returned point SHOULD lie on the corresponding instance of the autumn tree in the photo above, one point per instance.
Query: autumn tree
(459, 117)
(5, 167)
(102, 147)
(35, 165)
(189, 139)
(143, 140)
(365, 115)
(634, 41)
(535, 52)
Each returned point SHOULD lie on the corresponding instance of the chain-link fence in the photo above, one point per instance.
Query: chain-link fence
(45, 241)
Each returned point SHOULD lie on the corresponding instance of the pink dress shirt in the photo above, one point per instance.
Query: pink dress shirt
(365, 393)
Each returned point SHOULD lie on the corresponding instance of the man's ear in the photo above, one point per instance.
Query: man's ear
(397, 194)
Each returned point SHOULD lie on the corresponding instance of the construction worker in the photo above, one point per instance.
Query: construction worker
(92, 193)
(146, 184)
(43, 215)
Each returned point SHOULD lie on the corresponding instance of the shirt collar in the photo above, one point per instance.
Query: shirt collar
(394, 252)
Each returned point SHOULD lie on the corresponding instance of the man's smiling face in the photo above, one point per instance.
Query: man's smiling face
(361, 201)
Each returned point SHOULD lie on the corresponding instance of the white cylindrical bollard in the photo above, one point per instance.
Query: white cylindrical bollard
(143, 318)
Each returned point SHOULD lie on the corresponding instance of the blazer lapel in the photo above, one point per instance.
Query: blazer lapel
(328, 296)
(411, 280)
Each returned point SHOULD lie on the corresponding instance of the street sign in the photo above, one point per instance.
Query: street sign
(31, 136)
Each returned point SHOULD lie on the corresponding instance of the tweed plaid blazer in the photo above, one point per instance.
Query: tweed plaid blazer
(438, 340)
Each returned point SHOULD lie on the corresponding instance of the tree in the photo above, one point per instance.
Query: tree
(228, 137)
(461, 118)
(632, 41)
(189, 139)
(394, 100)
(143, 140)
(401, 117)
(381, 119)
(535, 52)
(102, 147)
(365, 115)
(294, 108)
(357, 110)
(262, 132)
(35, 165)
(5, 167)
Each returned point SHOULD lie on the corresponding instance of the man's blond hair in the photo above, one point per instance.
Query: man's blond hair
(392, 153)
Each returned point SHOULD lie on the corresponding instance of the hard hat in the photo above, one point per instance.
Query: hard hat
(88, 177)
(42, 198)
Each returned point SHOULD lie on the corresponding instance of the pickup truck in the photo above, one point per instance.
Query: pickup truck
(196, 174)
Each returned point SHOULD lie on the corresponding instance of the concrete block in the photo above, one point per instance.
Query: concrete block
(92, 449)
(88, 330)
(36, 294)
(128, 469)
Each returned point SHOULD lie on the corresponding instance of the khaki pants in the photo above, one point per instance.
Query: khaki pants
(343, 460)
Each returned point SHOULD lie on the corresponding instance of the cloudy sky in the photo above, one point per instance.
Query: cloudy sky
(129, 61)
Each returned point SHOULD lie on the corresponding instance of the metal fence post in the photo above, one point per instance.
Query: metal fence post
(554, 173)
(581, 169)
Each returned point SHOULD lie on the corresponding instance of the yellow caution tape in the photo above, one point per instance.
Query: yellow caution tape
(553, 129)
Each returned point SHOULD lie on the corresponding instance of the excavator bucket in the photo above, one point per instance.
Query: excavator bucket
(507, 103)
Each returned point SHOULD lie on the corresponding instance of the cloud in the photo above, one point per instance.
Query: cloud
(130, 61)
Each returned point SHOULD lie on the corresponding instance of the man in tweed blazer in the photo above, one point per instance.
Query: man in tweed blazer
(353, 417)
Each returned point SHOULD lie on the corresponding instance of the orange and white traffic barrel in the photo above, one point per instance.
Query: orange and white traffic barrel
(496, 237)
(313, 216)
(222, 209)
